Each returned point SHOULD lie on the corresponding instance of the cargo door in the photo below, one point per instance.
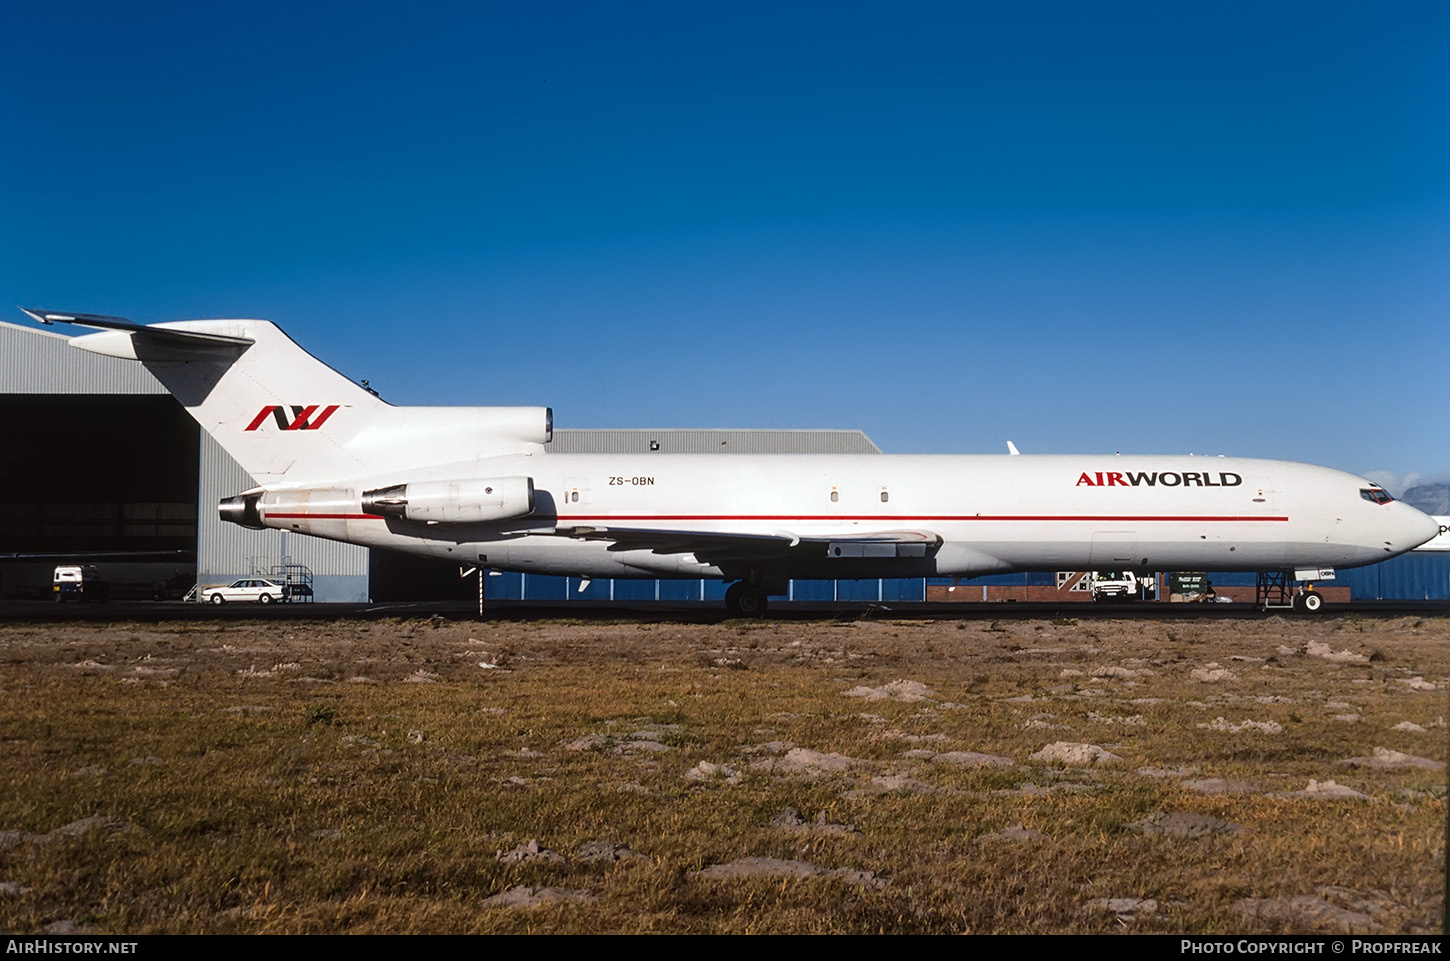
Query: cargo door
(1115, 550)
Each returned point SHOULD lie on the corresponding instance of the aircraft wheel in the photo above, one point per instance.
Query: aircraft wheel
(743, 600)
(1311, 602)
(265, 599)
(218, 599)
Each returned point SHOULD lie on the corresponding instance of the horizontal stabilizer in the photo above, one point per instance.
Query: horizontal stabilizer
(161, 335)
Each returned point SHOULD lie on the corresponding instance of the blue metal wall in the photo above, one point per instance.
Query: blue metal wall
(540, 587)
(1409, 577)
(1422, 576)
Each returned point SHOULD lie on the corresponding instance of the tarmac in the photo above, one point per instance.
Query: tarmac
(690, 612)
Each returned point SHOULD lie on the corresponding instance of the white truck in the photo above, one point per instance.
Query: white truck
(78, 582)
(1119, 585)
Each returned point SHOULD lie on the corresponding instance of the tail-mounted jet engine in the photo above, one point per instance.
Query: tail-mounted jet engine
(242, 509)
(453, 502)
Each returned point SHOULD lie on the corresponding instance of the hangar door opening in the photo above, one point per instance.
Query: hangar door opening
(98, 474)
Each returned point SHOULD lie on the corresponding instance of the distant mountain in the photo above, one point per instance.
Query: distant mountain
(1430, 498)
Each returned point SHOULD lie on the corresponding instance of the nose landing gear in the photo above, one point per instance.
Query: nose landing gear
(1309, 602)
(1276, 589)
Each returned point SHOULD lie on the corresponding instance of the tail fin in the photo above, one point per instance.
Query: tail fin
(288, 418)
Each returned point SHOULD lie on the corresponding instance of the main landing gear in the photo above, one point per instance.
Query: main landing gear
(745, 600)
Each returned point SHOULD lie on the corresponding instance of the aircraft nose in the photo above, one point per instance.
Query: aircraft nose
(1417, 528)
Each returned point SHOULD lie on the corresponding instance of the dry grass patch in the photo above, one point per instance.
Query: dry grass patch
(435, 776)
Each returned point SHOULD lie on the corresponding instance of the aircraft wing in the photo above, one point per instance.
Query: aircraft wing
(716, 547)
(179, 556)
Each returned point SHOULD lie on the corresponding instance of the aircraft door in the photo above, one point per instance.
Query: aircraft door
(1115, 550)
(1265, 499)
(833, 503)
(1262, 494)
(576, 492)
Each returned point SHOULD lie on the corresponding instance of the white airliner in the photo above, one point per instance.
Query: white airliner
(475, 484)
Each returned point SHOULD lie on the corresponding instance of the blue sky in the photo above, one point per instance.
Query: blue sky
(1146, 227)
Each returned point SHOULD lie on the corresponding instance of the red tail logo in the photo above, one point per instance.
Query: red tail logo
(302, 418)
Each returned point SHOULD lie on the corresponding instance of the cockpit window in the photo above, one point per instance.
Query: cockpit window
(1376, 495)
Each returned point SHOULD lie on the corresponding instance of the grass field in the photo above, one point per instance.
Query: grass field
(1245, 776)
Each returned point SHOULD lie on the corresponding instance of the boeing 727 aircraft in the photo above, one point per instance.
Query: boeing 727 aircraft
(475, 484)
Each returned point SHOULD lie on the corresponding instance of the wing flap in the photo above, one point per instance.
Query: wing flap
(718, 546)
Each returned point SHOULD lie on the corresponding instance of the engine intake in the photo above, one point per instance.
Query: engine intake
(453, 502)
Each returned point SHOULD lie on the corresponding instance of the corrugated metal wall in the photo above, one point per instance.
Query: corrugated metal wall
(41, 362)
(505, 585)
(1409, 577)
(1416, 576)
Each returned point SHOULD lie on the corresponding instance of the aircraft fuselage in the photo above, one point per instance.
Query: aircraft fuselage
(990, 513)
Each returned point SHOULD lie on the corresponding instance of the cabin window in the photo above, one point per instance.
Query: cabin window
(1376, 495)
(835, 496)
(885, 497)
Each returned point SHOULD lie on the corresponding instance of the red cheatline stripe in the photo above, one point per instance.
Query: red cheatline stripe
(896, 518)
(893, 518)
